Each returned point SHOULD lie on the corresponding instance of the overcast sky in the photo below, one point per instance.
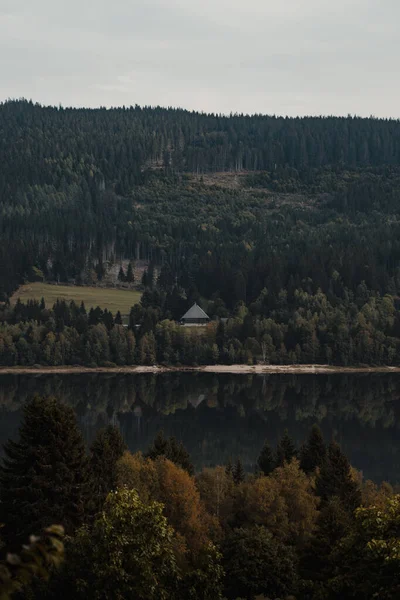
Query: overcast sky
(291, 57)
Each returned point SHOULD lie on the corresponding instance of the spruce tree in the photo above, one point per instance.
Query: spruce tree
(318, 558)
(313, 452)
(229, 468)
(145, 279)
(43, 476)
(107, 448)
(159, 446)
(335, 479)
(178, 454)
(266, 460)
(238, 472)
(129, 275)
(285, 450)
(108, 319)
(172, 450)
(118, 319)
(121, 274)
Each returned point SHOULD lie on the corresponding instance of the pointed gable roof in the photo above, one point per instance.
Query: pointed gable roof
(195, 313)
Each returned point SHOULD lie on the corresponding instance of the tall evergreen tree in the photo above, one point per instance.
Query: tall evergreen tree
(145, 278)
(105, 451)
(130, 278)
(107, 319)
(335, 479)
(121, 274)
(238, 472)
(313, 452)
(229, 468)
(43, 476)
(285, 450)
(318, 559)
(172, 450)
(178, 454)
(266, 460)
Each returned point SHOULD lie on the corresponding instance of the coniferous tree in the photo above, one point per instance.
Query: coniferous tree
(107, 319)
(257, 565)
(129, 274)
(229, 468)
(266, 460)
(313, 452)
(118, 319)
(150, 274)
(172, 450)
(178, 454)
(105, 451)
(121, 274)
(335, 479)
(145, 278)
(238, 472)
(43, 476)
(159, 446)
(285, 450)
(318, 559)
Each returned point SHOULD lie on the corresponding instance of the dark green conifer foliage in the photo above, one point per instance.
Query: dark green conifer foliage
(229, 468)
(108, 319)
(257, 565)
(335, 479)
(43, 476)
(159, 446)
(129, 275)
(118, 319)
(107, 448)
(121, 274)
(266, 460)
(145, 279)
(172, 450)
(313, 452)
(238, 472)
(285, 450)
(318, 557)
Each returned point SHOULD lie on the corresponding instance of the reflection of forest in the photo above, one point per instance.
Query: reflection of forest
(223, 416)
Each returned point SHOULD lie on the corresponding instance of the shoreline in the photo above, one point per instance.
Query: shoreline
(217, 369)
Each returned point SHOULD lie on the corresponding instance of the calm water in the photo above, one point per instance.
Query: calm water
(225, 416)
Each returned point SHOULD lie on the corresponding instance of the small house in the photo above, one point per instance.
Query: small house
(195, 316)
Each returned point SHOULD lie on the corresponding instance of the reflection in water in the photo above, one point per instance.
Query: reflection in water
(225, 416)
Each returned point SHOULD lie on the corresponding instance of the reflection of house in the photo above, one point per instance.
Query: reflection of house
(195, 402)
(195, 316)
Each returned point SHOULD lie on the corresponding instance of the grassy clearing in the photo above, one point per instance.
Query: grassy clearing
(109, 298)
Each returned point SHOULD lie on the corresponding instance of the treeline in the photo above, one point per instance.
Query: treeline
(119, 142)
(304, 525)
(304, 328)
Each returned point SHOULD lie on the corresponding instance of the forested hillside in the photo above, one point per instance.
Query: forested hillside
(294, 219)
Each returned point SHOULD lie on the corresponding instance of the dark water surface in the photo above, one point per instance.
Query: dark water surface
(225, 416)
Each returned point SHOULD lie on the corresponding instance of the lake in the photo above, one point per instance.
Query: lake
(223, 416)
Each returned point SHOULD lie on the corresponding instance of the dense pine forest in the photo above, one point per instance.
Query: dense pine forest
(287, 227)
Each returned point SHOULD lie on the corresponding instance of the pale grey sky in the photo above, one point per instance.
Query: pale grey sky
(292, 57)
